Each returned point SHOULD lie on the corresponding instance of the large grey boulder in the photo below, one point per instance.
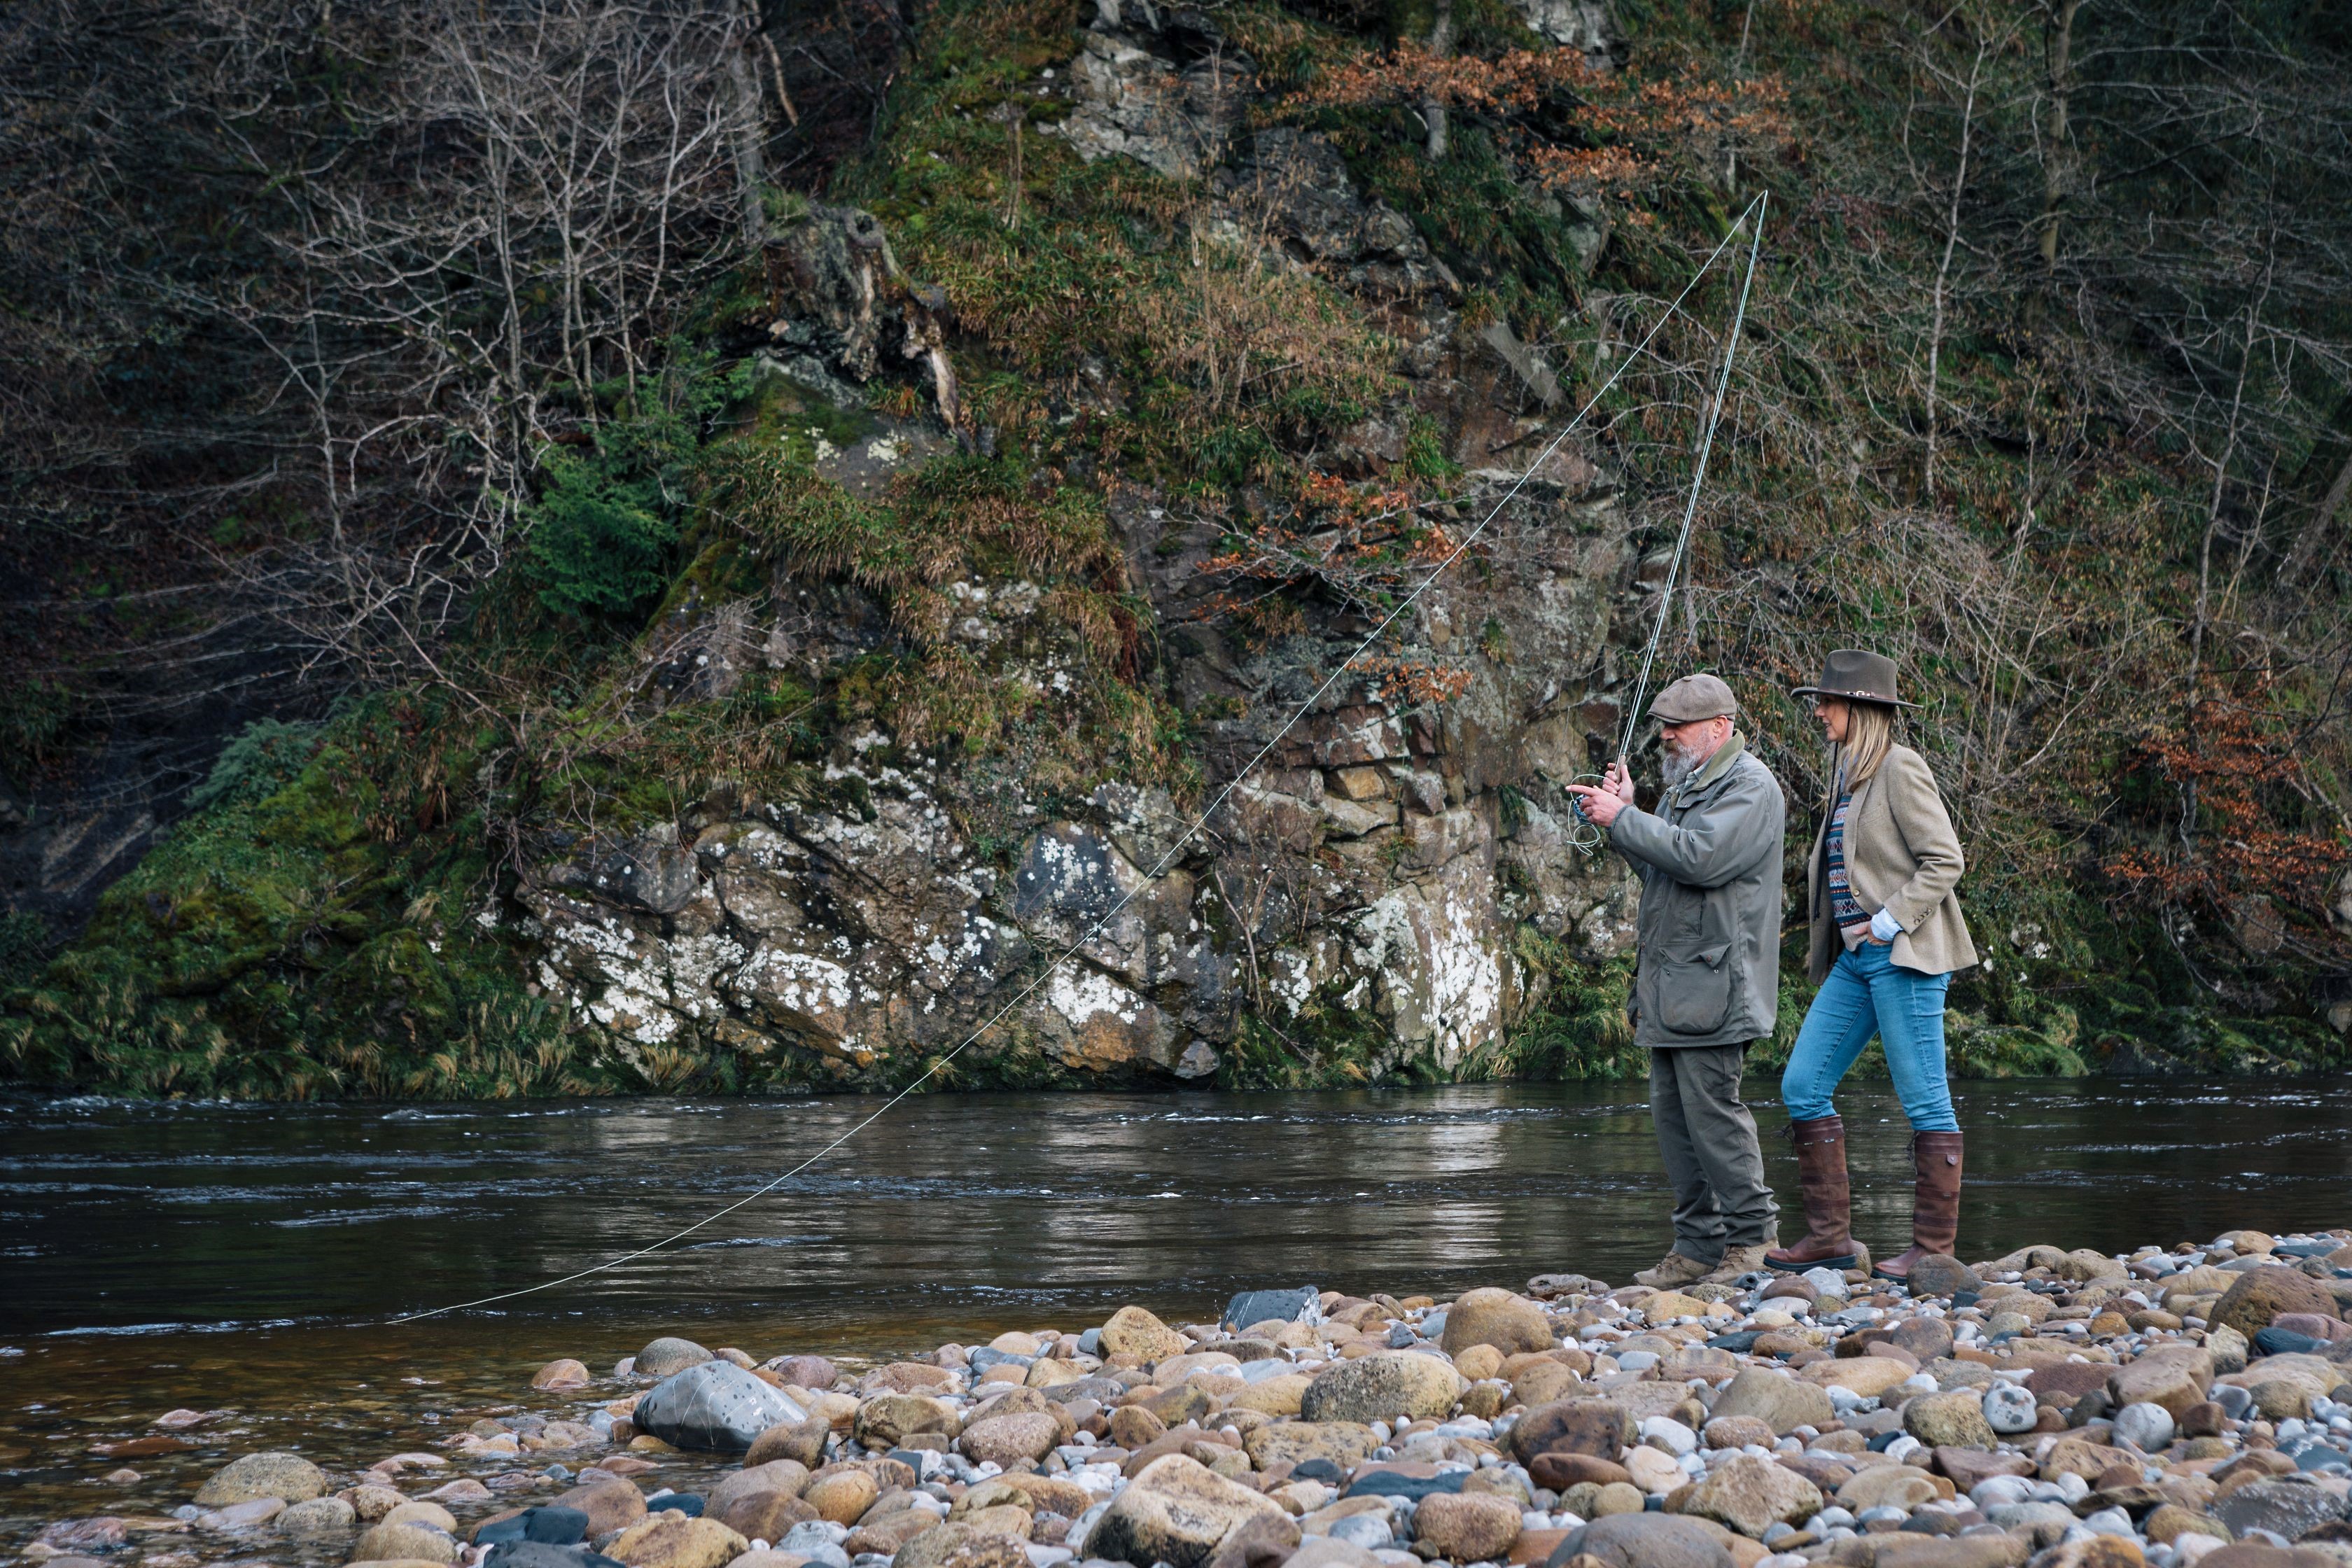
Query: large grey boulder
(716, 1406)
(1161, 86)
(1382, 1386)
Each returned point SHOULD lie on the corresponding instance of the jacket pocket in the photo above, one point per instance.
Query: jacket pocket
(1695, 992)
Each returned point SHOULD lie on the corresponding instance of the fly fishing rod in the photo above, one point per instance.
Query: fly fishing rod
(1582, 834)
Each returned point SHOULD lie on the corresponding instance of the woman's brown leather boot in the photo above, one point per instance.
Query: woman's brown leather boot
(1820, 1174)
(1935, 1203)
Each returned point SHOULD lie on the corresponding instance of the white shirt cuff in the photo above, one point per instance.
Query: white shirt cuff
(1885, 927)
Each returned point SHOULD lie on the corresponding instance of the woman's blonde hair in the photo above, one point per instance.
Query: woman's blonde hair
(1869, 730)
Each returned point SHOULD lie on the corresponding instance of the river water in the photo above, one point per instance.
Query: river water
(246, 1256)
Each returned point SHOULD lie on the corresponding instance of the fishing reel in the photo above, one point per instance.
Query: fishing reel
(1578, 831)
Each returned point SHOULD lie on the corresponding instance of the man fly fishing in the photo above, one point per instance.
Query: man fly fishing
(1708, 985)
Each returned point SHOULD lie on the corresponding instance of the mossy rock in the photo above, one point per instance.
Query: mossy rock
(2008, 1050)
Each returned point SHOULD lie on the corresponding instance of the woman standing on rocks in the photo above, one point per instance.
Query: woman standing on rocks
(1887, 935)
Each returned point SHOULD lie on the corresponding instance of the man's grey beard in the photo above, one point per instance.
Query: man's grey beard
(1679, 765)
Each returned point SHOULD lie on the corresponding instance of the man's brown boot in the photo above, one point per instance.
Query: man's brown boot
(1737, 1261)
(1827, 1241)
(1675, 1270)
(1935, 1203)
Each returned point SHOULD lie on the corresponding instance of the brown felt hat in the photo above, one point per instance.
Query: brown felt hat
(1857, 676)
(1693, 697)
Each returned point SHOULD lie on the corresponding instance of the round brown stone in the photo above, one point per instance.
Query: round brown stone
(1594, 1426)
(2262, 1294)
(563, 1373)
(1467, 1527)
(842, 1497)
(764, 1515)
(609, 1505)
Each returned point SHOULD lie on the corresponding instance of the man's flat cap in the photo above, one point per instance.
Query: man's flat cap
(1693, 697)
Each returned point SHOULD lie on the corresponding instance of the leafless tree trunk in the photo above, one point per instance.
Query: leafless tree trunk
(1440, 43)
(750, 132)
(2213, 507)
(2057, 147)
(2313, 533)
(1944, 267)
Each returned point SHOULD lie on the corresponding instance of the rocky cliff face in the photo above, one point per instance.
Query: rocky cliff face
(1360, 891)
(982, 508)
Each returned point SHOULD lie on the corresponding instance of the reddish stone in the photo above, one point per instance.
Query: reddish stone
(2063, 1384)
(2314, 1325)
(1561, 1472)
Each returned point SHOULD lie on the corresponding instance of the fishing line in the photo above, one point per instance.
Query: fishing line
(1581, 833)
(1698, 477)
(1168, 857)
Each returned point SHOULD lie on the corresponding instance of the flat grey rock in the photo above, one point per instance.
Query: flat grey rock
(2285, 1506)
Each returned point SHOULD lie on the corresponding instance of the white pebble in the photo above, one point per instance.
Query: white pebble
(2010, 1409)
(2150, 1426)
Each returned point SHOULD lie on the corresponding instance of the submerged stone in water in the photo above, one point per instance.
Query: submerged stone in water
(289, 1477)
(319, 1516)
(243, 1515)
(563, 1373)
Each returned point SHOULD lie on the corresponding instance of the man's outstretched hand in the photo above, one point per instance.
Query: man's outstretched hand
(1600, 803)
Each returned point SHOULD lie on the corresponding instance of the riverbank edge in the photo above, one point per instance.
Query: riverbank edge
(2147, 1408)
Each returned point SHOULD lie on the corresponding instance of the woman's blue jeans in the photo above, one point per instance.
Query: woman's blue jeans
(1868, 994)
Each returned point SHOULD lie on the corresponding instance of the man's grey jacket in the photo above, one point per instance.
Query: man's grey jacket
(1709, 860)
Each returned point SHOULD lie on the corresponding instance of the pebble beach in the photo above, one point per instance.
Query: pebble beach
(2046, 1409)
